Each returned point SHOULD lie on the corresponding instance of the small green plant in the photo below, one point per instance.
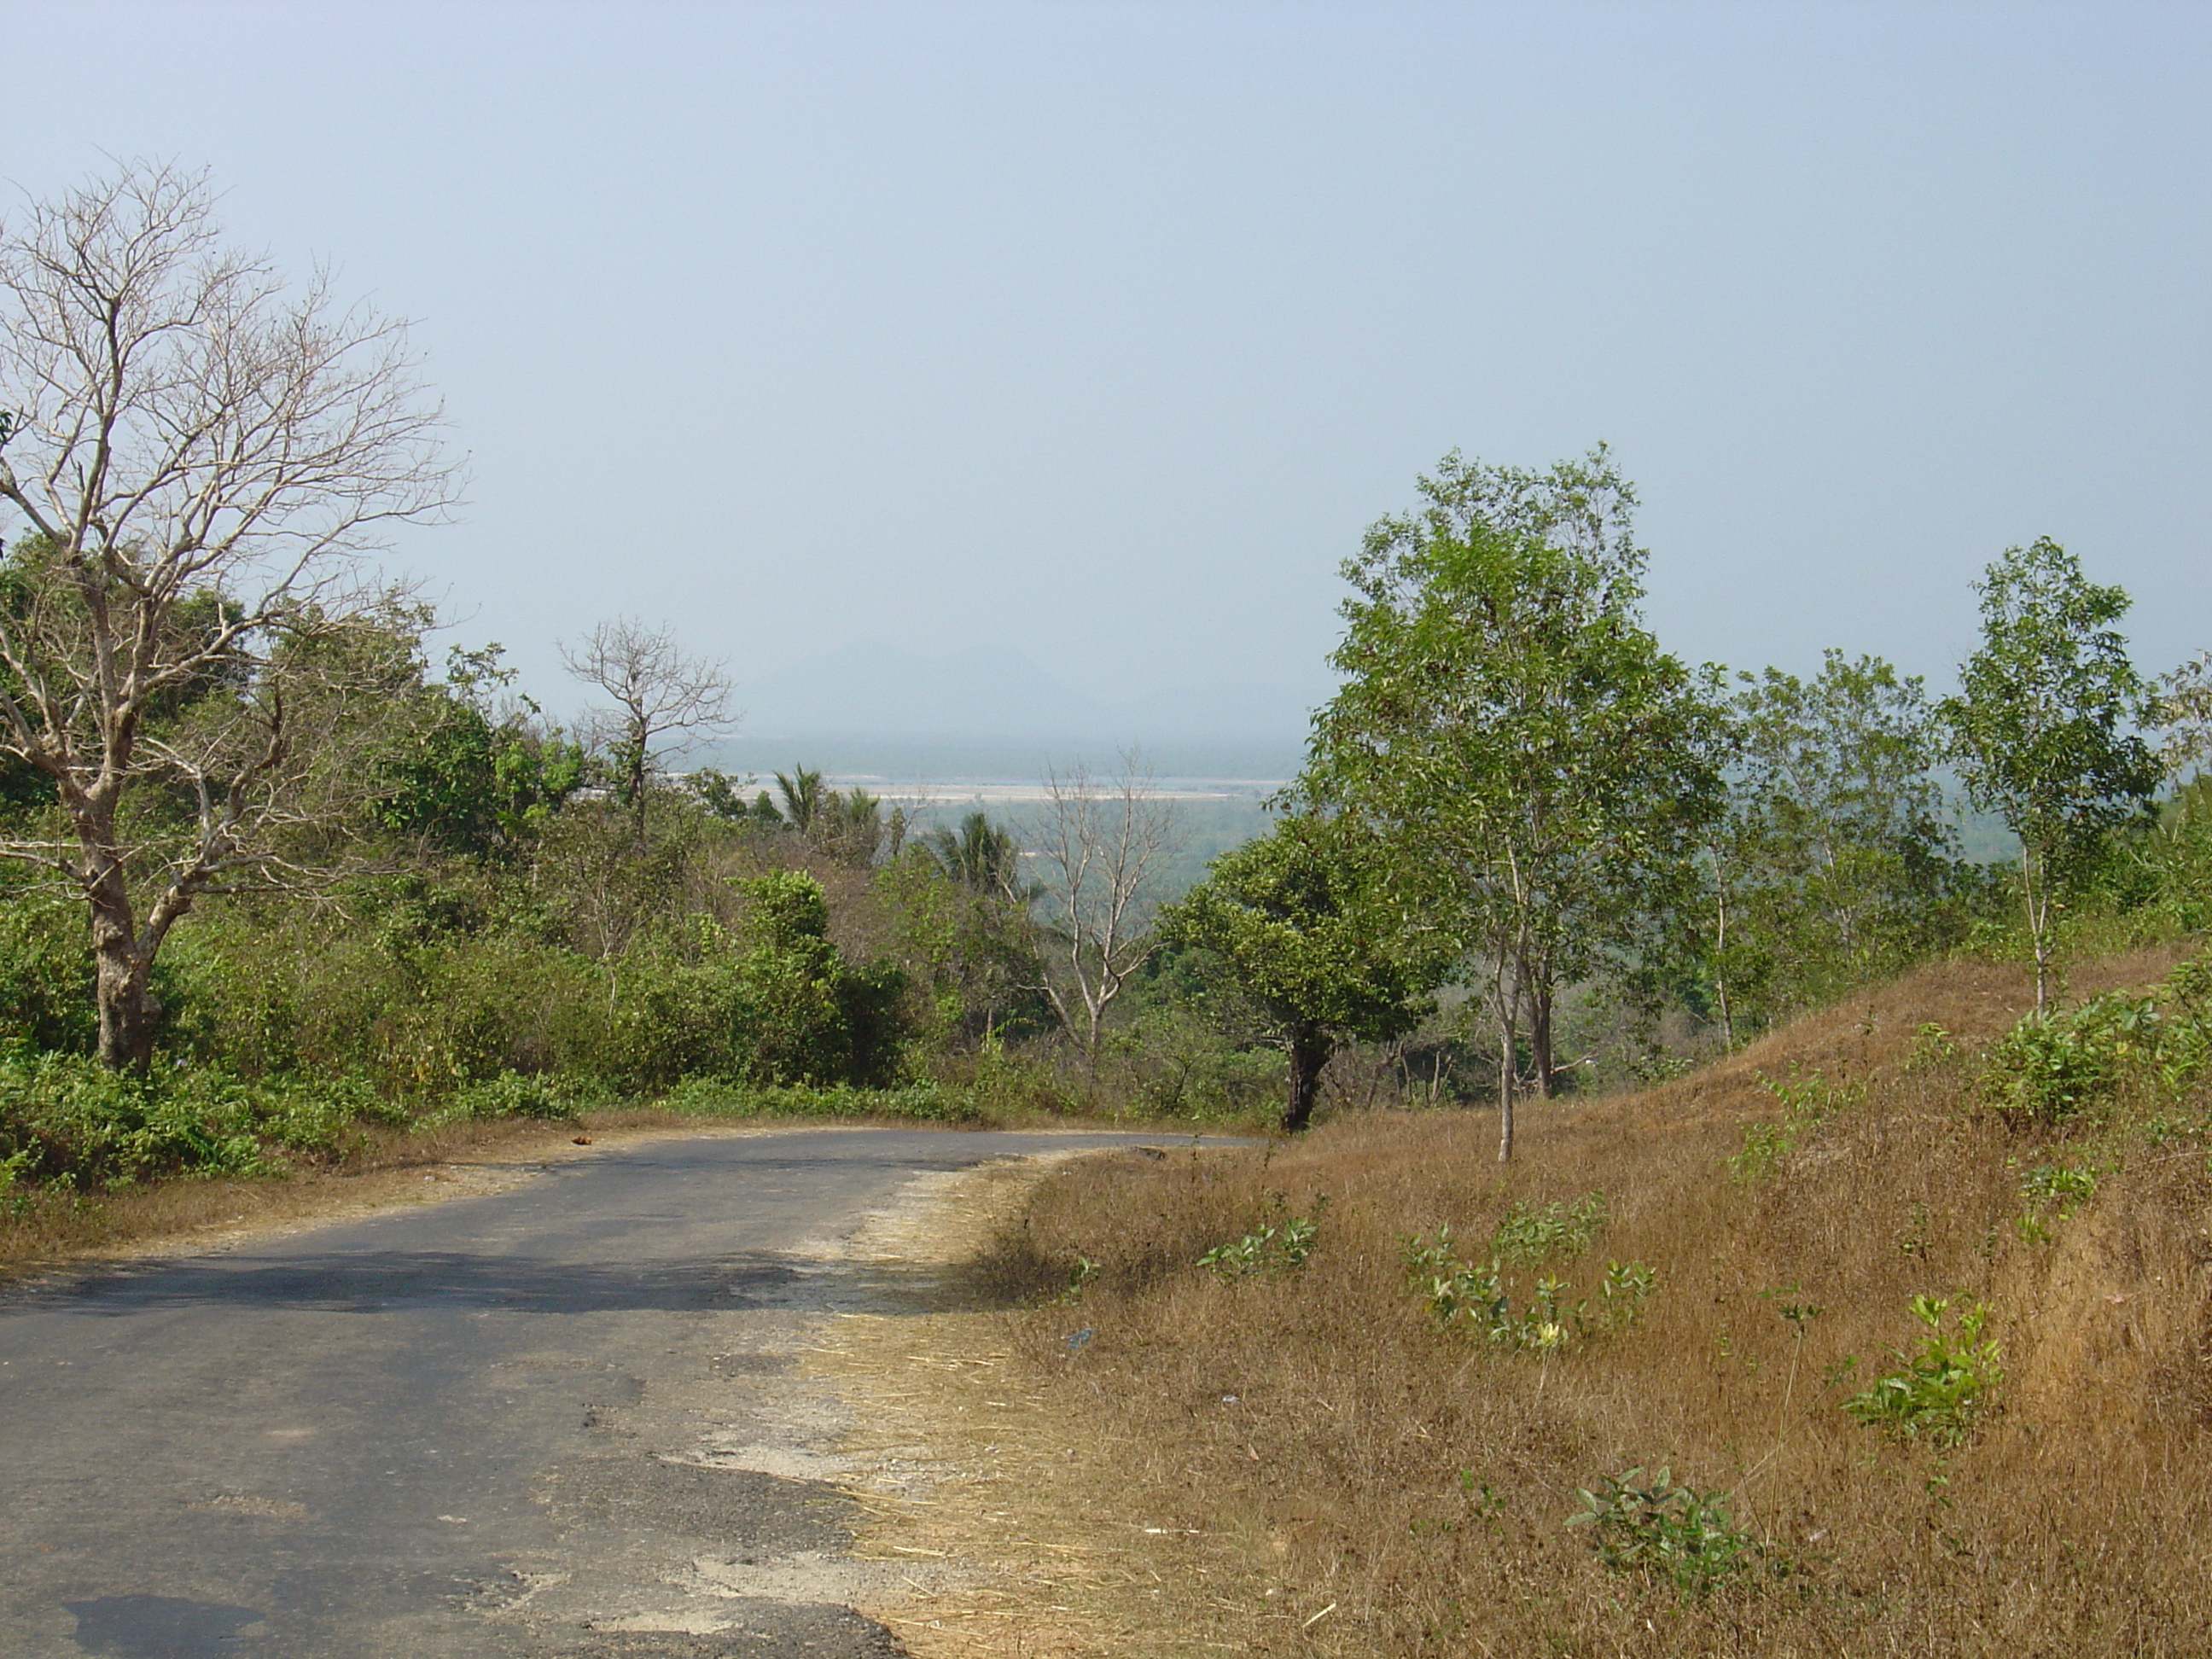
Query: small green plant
(1626, 1287)
(2053, 1192)
(1248, 1255)
(1672, 1533)
(1764, 1144)
(1269, 1247)
(1489, 1508)
(1474, 1295)
(1942, 1388)
(2061, 1184)
(1807, 1098)
(1300, 1234)
(1931, 1047)
(1811, 1095)
(1532, 1232)
(1082, 1273)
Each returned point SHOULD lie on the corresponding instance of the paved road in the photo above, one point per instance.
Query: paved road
(554, 1421)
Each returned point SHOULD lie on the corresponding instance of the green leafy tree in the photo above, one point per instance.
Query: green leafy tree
(1305, 921)
(2044, 729)
(467, 776)
(1835, 863)
(959, 907)
(1544, 770)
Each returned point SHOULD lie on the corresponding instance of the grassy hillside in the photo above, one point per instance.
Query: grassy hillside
(1313, 1443)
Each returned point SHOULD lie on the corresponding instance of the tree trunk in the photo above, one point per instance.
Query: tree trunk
(1508, 1038)
(1539, 1040)
(129, 1010)
(2035, 884)
(1309, 1052)
(1720, 958)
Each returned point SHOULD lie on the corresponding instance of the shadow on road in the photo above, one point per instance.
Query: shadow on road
(398, 1281)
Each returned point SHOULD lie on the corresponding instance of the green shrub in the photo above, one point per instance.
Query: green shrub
(1941, 1388)
(2066, 1065)
(1474, 1295)
(511, 1094)
(46, 973)
(1278, 1246)
(1530, 1232)
(1676, 1535)
(66, 1120)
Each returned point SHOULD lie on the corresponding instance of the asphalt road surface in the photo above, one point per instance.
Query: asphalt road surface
(557, 1420)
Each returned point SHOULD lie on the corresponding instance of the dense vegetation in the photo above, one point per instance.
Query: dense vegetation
(1532, 850)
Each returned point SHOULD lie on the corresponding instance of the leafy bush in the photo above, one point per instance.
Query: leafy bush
(1461, 1292)
(1530, 1232)
(46, 973)
(1663, 1531)
(511, 1094)
(1268, 1249)
(1941, 1388)
(67, 1121)
(2066, 1065)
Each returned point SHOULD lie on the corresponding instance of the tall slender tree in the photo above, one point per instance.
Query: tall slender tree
(2046, 728)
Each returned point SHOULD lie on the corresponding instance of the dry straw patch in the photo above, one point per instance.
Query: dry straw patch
(1307, 1463)
(1010, 1522)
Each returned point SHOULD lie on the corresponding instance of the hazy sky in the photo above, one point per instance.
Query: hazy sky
(1104, 329)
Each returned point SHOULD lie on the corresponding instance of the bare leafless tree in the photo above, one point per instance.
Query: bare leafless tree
(1105, 844)
(203, 454)
(659, 692)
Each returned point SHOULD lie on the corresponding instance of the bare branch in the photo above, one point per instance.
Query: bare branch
(657, 690)
(200, 454)
(1105, 844)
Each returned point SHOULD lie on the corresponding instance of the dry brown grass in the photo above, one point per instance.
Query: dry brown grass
(1275, 1466)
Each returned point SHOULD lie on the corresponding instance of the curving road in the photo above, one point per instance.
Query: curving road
(555, 1420)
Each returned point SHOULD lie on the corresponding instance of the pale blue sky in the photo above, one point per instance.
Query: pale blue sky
(1104, 329)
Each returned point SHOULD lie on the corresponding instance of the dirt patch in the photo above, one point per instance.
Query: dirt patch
(975, 1490)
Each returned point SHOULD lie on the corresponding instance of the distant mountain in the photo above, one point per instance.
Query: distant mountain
(886, 693)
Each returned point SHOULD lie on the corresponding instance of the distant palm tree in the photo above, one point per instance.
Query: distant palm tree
(981, 856)
(803, 794)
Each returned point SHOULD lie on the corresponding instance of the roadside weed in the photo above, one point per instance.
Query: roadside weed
(1474, 1294)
